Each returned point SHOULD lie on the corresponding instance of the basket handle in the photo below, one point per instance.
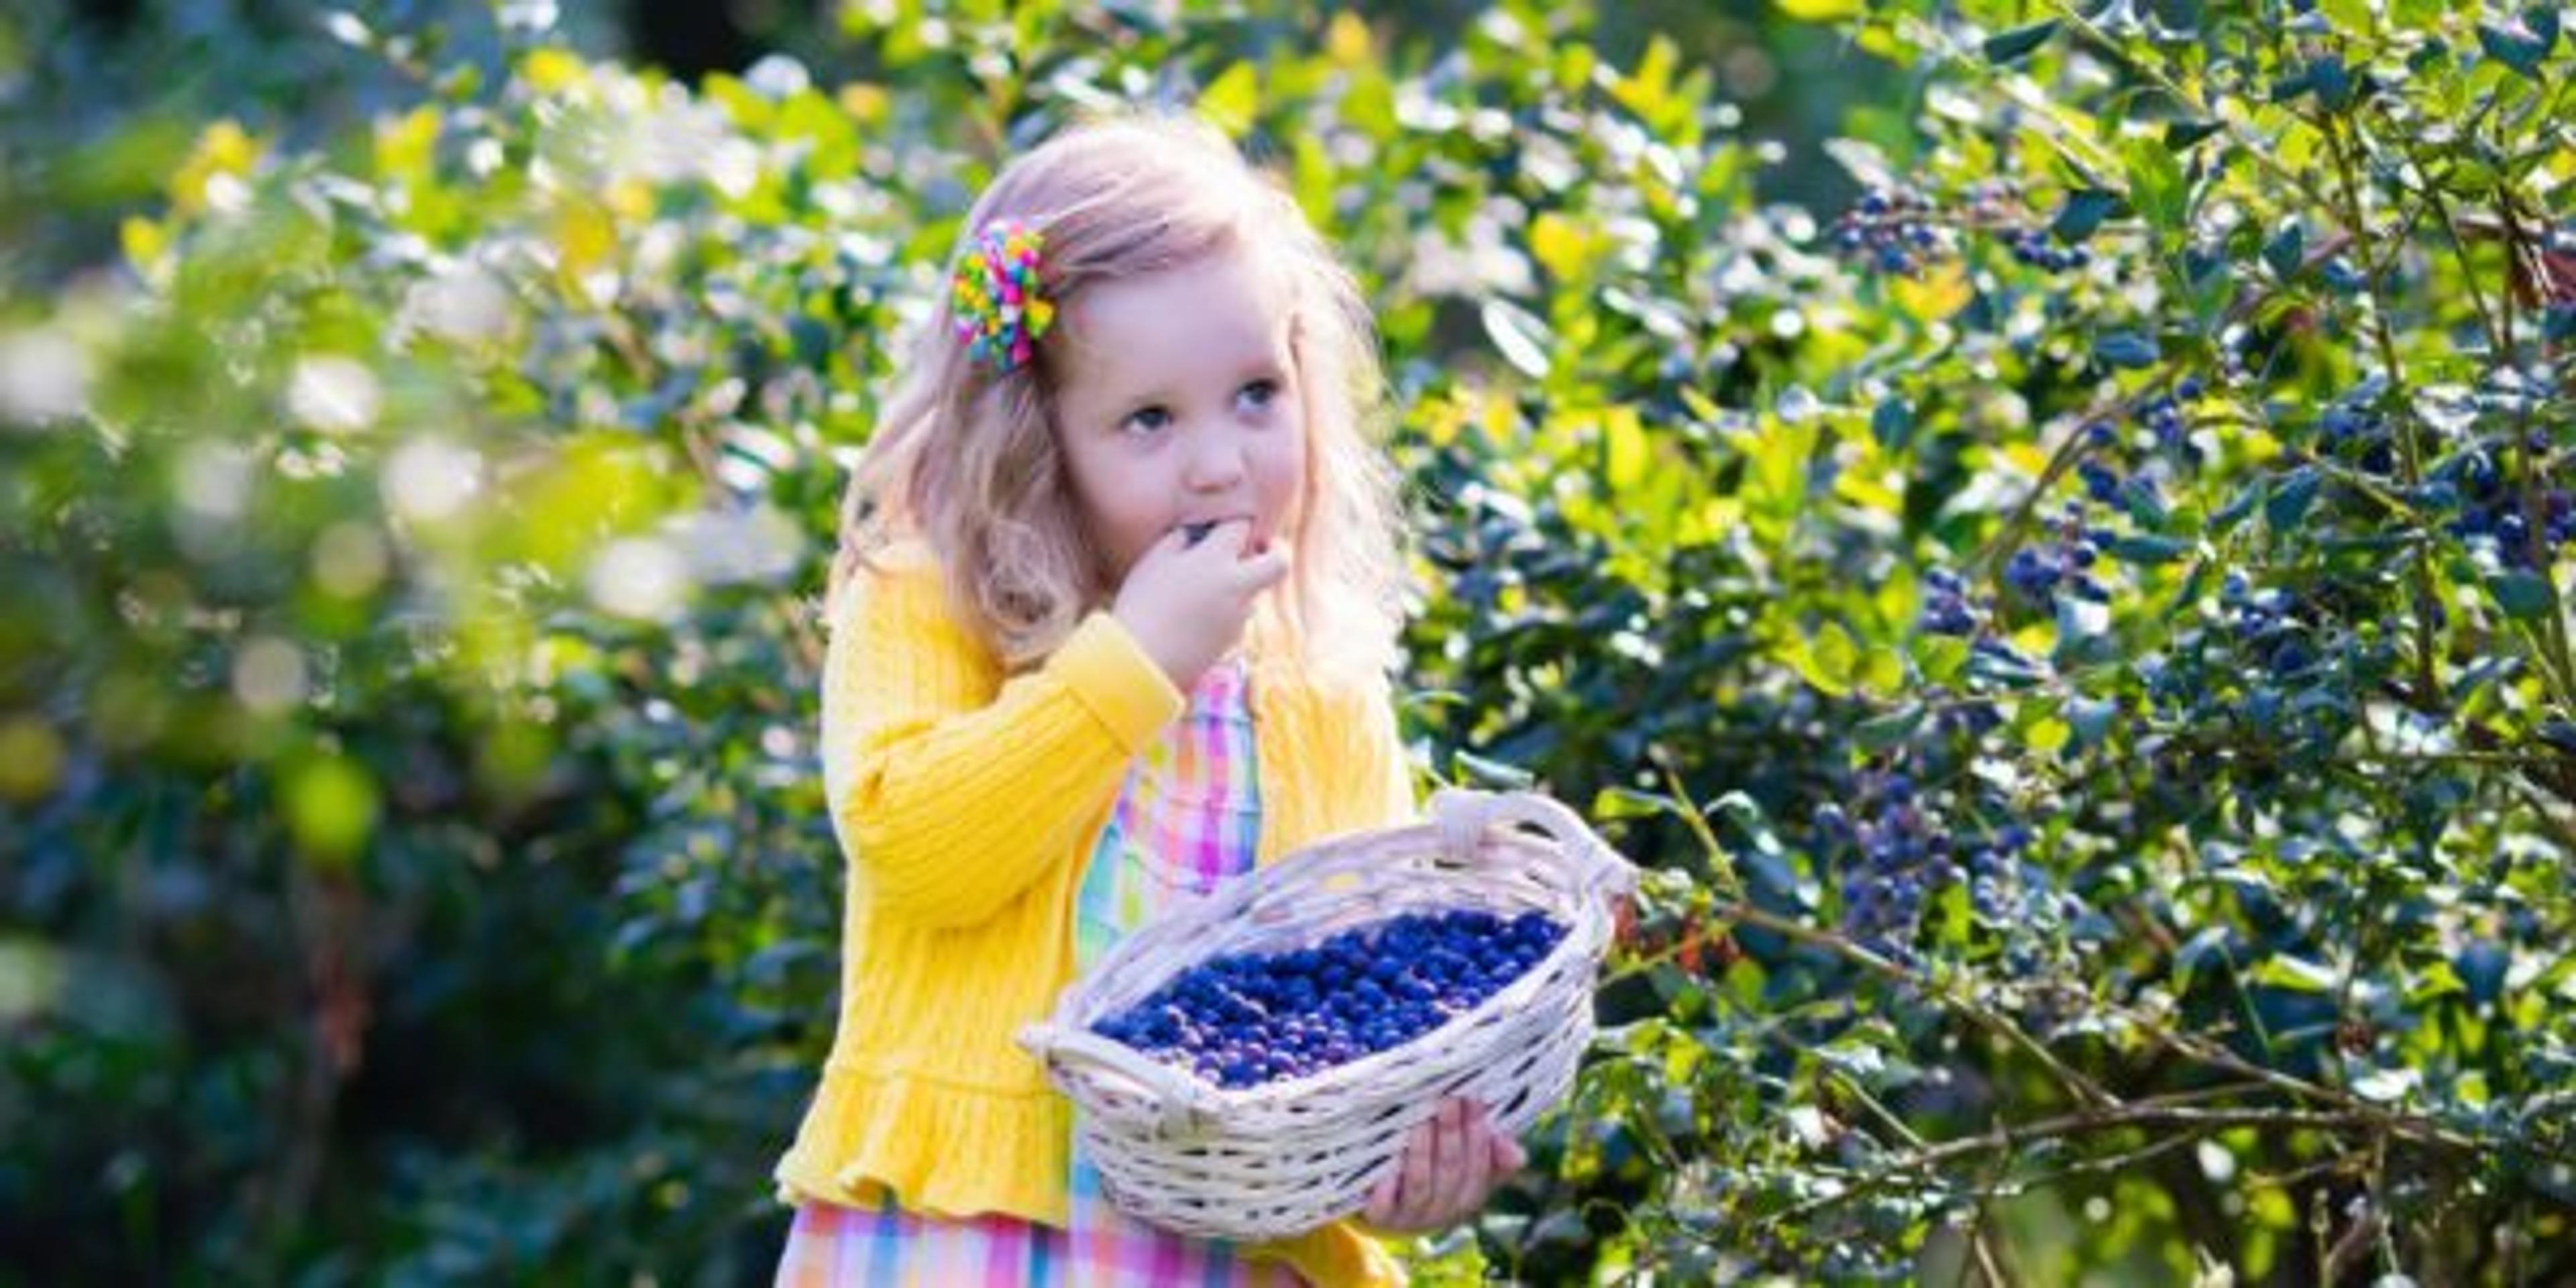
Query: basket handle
(1176, 1097)
(1463, 814)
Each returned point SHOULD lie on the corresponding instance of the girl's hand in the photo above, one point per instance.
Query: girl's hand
(1188, 603)
(1449, 1167)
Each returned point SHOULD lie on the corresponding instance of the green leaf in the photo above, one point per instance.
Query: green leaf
(1892, 424)
(1835, 651)
(2004, 47)
(2297, 974)
(2180, 135)
(1627, 802)
(1627, 455)
(2207, 946)
(2519, 50)
(2147, 548)
(1886, 732)
(2082, 629)
(1231, 100)
(1882, 671)
(2286, 250)
(1826, 659)
(2125, 349)
(2438, 980)
(2238, 506)
(2332, 82)
(2157, 189)
(1941, 657)
(1494, 774)
(2291, 498)
(1523, 338)
(2091, 719)
(2084, 211)
(2523, 594)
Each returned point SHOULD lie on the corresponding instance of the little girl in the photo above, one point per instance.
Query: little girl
(1111, 623)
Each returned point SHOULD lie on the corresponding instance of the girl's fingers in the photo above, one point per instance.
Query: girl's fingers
(1502, 1152)
(1461, 1176)
(1381, 1201)
(1423, 1202)
(1419, 1155)
(1476, 1143)
(1264, 570)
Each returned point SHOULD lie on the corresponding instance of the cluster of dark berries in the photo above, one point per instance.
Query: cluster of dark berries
(2135, 492)
(2490, 510)
(2037, 572)
(2351, 430)
(1899, 851)
(2264, 627)
(1245, 1019)
(2034, 247)
(2163, 420)
(1961, 717)
(1947, 608)
(1898, 855)
(1994, 870)
(1892, 230)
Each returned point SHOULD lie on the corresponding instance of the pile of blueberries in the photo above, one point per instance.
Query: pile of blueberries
(1244, 1019)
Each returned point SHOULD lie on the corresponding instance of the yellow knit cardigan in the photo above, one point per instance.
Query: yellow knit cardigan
(968, 803)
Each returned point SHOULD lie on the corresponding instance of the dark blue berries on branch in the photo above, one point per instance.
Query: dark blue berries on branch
(1894, 230)
(1898, 230)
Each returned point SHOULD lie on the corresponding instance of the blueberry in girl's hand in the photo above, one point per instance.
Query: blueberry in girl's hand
(1197, 532)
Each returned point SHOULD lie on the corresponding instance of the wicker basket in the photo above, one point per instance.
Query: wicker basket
(1263, 1162)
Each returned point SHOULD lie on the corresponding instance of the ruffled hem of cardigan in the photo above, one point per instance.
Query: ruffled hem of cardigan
(921, 1140)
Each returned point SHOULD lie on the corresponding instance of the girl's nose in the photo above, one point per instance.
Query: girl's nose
(1216, 462)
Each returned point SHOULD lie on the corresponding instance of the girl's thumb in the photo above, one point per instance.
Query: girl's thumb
(1271, 565)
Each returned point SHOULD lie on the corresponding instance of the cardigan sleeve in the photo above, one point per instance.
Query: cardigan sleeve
(951, 788)
(1384, 779)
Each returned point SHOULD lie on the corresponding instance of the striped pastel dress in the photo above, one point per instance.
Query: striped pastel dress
(1187, 817)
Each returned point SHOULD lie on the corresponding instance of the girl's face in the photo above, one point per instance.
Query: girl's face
(1177, 405)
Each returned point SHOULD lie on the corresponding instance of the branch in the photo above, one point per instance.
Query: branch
(2081, 1088)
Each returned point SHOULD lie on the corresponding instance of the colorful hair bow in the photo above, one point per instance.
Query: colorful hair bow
(996, 296)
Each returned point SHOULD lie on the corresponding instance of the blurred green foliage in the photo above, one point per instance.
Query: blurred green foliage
(2101, 724)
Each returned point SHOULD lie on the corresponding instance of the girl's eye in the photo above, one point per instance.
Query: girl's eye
(1260, 393)
(1148, 419)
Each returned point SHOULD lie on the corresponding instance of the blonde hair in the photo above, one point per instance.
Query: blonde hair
(965, 458)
